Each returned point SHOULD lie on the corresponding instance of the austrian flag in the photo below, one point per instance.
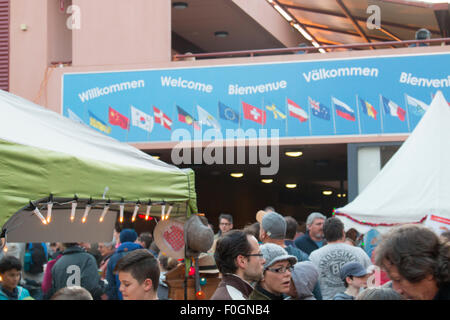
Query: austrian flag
(162, 118)
(296, 111)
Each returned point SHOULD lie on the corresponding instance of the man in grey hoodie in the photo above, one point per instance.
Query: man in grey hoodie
(304, 278)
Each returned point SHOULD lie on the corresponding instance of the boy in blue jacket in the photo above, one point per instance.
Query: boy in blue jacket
(10, 272)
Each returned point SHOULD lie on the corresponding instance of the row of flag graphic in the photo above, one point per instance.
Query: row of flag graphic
(317, 109)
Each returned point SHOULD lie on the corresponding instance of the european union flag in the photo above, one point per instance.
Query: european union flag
(319, 110)
(227, 113)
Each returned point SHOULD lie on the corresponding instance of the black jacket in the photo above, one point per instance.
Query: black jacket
(76, 267)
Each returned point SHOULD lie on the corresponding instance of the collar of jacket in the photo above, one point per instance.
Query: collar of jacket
(74, 249)
(268, 294)
(238, 283)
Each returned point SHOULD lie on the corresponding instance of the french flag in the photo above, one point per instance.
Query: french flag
(296, 111)
(391, 108)
(343, 110)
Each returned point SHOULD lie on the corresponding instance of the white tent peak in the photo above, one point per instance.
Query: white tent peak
(414, 183)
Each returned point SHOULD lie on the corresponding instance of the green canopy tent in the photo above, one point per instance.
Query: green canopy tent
(46, 158)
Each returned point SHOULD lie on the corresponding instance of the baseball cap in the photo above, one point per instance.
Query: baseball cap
(274, 225)
(354, 269)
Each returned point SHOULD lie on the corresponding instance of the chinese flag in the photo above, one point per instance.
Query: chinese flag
(253, 113)
(118, 119)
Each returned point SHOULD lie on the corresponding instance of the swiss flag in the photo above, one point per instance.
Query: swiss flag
(162, 118)
(253, 113)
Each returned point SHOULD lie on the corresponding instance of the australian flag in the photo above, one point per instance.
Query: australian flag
(319, 110)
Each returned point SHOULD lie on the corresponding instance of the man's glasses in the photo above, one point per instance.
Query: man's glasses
(224, 224)
(260, 255)
(281, 269)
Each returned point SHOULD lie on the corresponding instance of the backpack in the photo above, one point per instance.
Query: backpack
(35, 258)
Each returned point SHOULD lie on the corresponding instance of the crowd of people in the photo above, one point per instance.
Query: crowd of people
(269, 259)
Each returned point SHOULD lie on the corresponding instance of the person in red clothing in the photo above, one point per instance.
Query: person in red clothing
(47, 279)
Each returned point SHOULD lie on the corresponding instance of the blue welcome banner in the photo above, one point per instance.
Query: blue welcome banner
(360, 96)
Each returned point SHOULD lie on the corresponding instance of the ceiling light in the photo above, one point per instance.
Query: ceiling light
(156, 157)
(266, 180)
(315, 44)
(339, 195)
(303, 32)
(237, 175)
(322, 50)
(283, 13)
(327, 192)
(291, 185)
(293, 154)
(179, 5)
(221, 34)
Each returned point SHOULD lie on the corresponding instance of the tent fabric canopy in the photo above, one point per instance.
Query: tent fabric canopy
(43, 153)
(415, 181)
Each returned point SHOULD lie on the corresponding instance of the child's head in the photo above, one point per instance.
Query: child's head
(10, 271)
(138, 275)
(354, 275)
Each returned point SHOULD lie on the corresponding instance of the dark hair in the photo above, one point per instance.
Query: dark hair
(146, 238)
(10, 262)
(333, 229)
(154, 247)
(345, 281)
(167, 263)
(141, 264)
(416, 252)
(291, 227)
(446, 235)
(72, 293)
(227, 216)
(253, 229)
(229, 246)
(379, 293)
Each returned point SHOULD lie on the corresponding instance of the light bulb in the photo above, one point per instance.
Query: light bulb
(105, 211)
(147, 213)
(136, 209)
(74, 209)
(122, 207)
(49, 211)
(86, 212)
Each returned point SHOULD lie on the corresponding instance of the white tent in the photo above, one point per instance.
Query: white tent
(414, 183)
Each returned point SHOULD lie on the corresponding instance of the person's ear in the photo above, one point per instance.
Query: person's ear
(240, 261)
(349, 280)
(148, 284)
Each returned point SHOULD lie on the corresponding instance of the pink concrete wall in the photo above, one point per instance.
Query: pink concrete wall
(28, 49)
(114, 32)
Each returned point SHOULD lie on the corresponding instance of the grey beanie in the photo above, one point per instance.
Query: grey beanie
(273, 253)
(274, 225)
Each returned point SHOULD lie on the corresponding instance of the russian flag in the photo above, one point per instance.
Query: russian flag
(296, 111)
(343, 110)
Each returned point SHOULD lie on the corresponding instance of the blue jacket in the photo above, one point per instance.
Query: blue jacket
(22, 294)
(112, 289)
(306, 244)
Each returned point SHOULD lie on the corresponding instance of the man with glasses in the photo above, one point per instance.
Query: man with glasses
(225, 224)
(276, 282)
(241, 262)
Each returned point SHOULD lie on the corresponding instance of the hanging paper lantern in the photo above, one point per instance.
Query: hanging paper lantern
(200, 295)
(202, 281)
(191, 271)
